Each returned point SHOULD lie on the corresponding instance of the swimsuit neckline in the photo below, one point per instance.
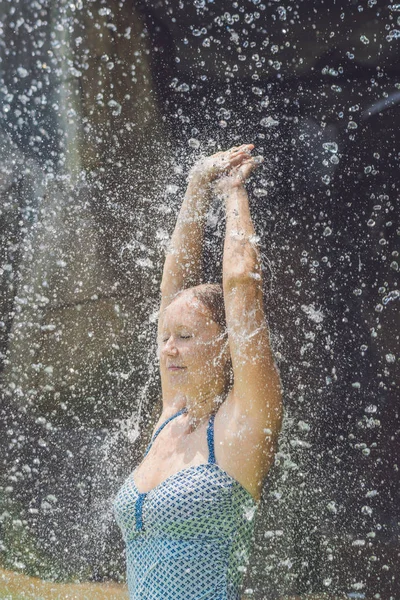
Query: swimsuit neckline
(211, 458)
(192, 467)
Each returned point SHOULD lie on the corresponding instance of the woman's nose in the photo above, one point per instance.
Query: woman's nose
(170, 347)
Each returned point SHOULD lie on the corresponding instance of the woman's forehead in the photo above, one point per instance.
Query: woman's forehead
(186, 310)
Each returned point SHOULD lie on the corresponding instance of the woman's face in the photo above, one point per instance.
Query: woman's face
(192, 348)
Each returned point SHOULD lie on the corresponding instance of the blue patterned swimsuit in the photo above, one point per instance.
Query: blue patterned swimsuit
(189, 537)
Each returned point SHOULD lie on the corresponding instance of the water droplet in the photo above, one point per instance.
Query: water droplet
(281, 10)
(312, 313)
(183, 87)
(22, 72)
(364, 39)
(331, 506)
(393, 35)
(260, 192)
(330, 146)
(366, 510)
(358, 543)
(193, 143)
(391, 296)
(116, 106)
(327, 231)
(303, 426)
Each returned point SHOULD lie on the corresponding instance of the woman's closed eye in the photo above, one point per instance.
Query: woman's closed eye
(182, 337)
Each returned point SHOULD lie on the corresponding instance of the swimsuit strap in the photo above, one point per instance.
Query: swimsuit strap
(210, 440)
(180, 412)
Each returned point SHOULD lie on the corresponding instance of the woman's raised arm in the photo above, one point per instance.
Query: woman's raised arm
(182, 267)
(256, 392)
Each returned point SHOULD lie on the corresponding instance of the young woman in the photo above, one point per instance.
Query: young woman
(187, 511)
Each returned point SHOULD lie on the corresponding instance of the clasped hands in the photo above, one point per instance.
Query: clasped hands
(227, 169)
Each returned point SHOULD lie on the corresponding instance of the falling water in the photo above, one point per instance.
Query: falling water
(104, 108)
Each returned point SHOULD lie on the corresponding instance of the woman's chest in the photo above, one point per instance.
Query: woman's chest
(197, 501)
(168, 456)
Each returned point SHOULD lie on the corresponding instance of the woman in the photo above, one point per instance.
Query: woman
(187, 511)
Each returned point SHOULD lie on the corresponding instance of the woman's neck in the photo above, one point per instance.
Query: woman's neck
(198, 406)
(198, 409)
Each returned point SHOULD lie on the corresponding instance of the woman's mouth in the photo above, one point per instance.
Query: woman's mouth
(175, 368)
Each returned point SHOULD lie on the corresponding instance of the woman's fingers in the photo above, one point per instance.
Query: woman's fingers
(222, 162)
(243, 148)
(233, 153)
(240, 157)
(229, 160)
(245, 168)
(238, 160)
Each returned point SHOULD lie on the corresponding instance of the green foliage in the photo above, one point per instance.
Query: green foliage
(19, 549)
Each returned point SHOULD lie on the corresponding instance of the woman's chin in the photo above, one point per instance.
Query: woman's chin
(178, 372)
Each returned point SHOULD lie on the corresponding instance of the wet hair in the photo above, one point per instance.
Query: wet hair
(211, 295)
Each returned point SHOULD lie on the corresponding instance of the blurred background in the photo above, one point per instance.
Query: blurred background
(104, 107)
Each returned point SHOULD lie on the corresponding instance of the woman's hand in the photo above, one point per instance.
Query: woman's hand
(237, 175)
(212, 167)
